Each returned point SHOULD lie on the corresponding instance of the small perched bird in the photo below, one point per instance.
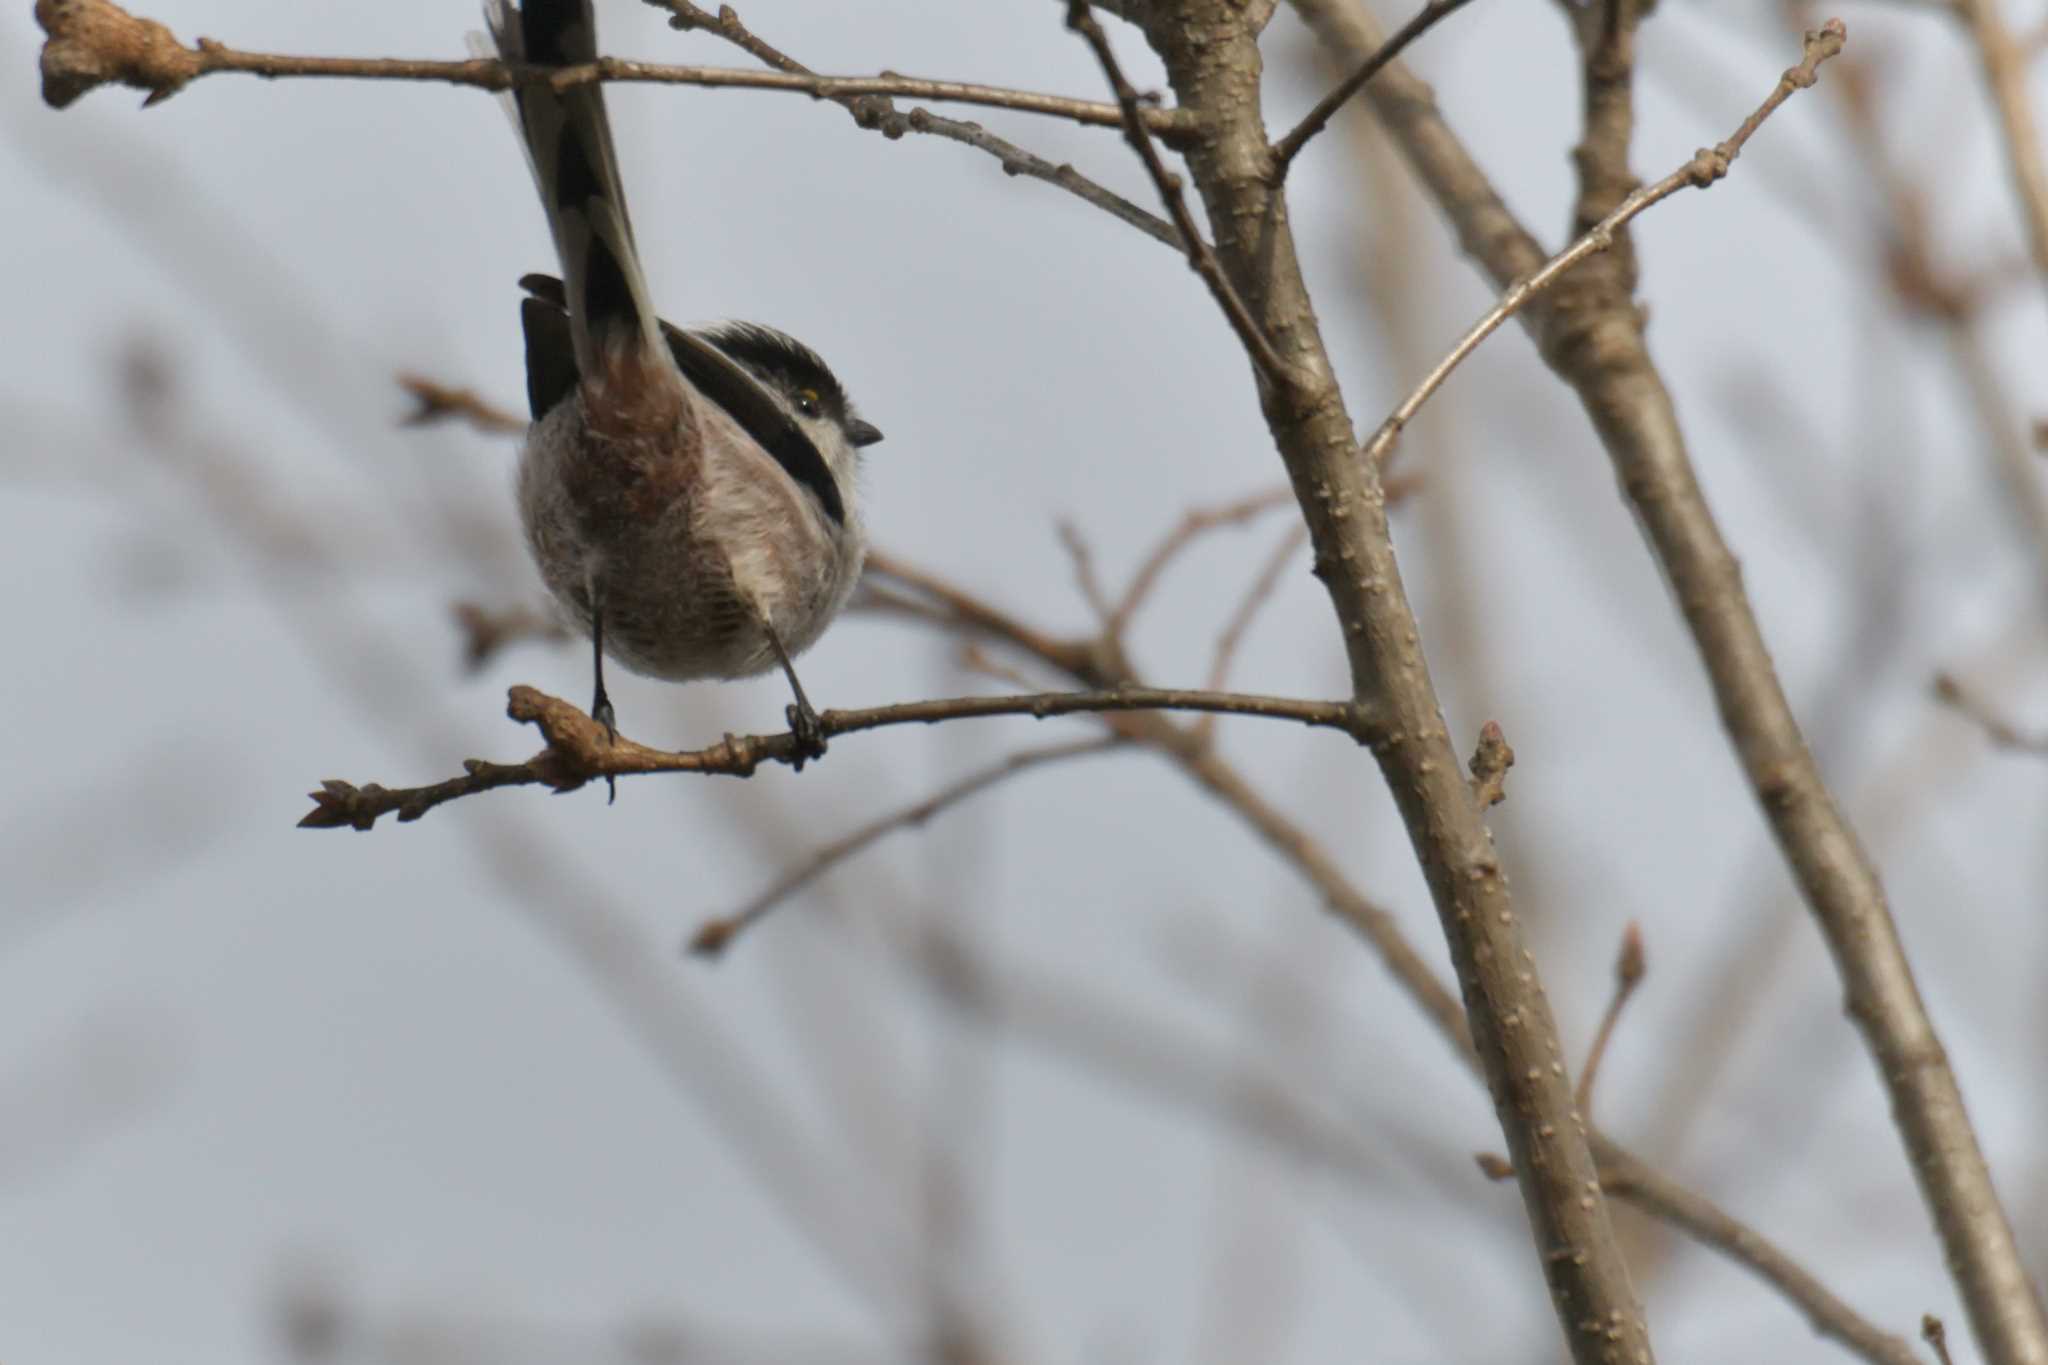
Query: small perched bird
(689, 495)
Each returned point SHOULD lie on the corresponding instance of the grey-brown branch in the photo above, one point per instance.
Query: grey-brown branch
(578, 749)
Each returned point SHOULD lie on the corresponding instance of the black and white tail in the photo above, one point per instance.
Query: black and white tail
(569, 144)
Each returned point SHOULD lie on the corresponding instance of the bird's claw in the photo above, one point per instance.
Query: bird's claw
(807, 730)
(601, 711)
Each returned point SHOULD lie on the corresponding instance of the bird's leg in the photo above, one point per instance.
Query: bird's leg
(601, 702)
(804, 724)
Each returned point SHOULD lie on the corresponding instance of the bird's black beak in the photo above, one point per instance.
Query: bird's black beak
(863, 433)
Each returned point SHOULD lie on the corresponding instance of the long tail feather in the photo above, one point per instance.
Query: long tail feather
(569, 145)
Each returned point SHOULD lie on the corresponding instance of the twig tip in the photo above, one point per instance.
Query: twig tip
(711, 938)
(1631, 964)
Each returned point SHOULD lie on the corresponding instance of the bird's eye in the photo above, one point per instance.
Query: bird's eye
(807, 402)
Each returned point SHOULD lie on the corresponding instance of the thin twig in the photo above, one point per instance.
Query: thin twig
(1318, 118)
(1936, 1337)
(968, 613)
(1255, 597)
(2005, 62)
(976, 660)
(1016, 161)
(714, 935)
(1193, 524)
(1627, 1178)
(1704, 168)
(1628, 974)
(486, 632)
(1201, 258)
(879, 114)
(578, 749)
(686, 17)
(2000, 731)
(441, 403)
(1085, 577)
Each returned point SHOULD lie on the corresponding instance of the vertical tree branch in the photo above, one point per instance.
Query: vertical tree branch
(1213, 63)
(2005, 71)
(1590, 333)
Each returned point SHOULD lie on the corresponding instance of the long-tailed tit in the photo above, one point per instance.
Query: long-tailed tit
(689, 495)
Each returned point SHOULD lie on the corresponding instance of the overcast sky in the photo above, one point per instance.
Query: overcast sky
(455, 1080)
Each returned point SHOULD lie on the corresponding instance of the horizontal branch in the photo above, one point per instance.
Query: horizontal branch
(95, 42)
(579, 750)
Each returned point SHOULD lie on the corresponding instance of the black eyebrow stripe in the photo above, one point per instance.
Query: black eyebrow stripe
(727, 383)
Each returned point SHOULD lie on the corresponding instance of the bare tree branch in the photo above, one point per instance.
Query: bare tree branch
(2000, 731)
(1590, 332)
(1633, 1179)
(1256, 596)
(1201, 257)
(1628, 974)
(2005, 63)
(442, 403)
(579, 749)
(1193, 525)
(485, 632)
(1016, 161)
(1213, 64)
(882, 116)
(1318, 118)
(95, 42)
(1707, 166)
(715, 935)
(1627, 1178)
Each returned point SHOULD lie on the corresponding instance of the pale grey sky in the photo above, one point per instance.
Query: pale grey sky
(457, 1072)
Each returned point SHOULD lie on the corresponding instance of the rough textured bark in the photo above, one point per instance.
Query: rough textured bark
(1214, 66)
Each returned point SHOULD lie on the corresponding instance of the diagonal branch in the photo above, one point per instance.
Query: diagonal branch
(882, 116)
(1192, 525)
(1706, 166)
(1318, 118)
(1625, 1177)
(2005, 71)
(715, 935)
(1256, 595)
(1590, 333)
(1622, 1174)
(1201, 257)
(1949, 690)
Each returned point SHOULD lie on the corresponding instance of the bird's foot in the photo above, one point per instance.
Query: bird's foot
(601, 711)
(807, 730)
